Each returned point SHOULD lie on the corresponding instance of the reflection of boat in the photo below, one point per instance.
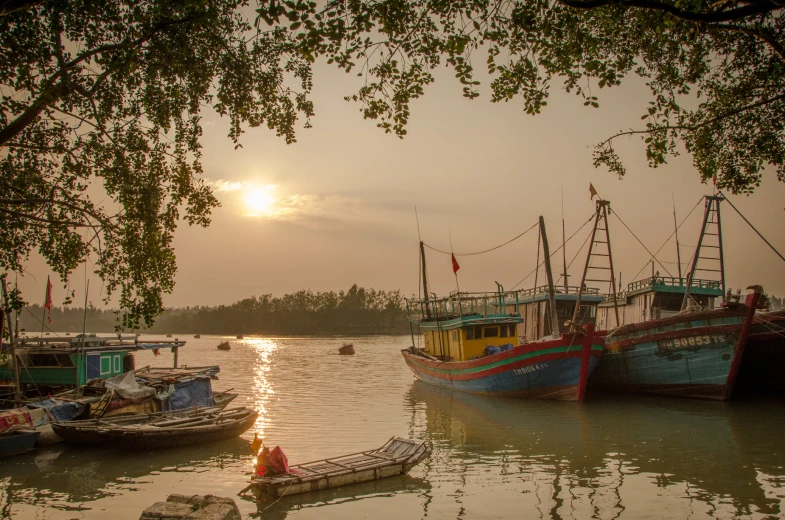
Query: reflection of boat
(271, 508)
(17, 442)
(77, 475)
(201, 428)
(718, 449)
(224, 345)
(477, 342)
(396, 457)
(347, 349)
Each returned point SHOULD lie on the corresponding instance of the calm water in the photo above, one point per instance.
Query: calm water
(611, 457)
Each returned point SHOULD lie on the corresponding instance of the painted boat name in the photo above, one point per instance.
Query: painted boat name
(529, 369)
(693, 341)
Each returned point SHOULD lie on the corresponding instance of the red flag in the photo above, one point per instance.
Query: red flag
(455, 265)
(592, 191)
(48, 301)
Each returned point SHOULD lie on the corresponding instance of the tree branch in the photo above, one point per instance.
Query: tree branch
(738, 13)
(692, 128)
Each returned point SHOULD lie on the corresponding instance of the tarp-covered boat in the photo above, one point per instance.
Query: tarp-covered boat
(396, 457)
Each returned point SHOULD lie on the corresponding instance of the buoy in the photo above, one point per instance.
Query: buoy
(346, 350)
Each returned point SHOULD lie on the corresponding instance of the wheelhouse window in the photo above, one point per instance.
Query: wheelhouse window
(504, 330)
(491, 332)
(470, 333)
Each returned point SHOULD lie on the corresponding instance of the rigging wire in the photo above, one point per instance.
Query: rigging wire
(641, 243)
(668, 239)
(753, 227)
(554, 252)
(484, 251)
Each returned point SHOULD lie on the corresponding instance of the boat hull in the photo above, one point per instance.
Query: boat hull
(764, 355)
(687, 355)
(133, 439)
(556, 369)
(18, 442)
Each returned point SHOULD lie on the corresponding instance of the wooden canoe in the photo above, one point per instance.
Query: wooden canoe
(91, 431)
(396, 457)
(199, 429)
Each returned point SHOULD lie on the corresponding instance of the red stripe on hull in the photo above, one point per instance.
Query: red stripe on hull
(420, 367)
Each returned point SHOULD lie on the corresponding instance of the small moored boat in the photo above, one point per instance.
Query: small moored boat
(224, 345)
(197, 336)
(17, 442)
(396, 457)
(347, 349)
(239, 336)
(199, 429)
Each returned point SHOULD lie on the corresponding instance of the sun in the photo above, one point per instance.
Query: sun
(259, 199)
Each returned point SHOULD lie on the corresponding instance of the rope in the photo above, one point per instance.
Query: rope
(753, 227)
(484, 251)
(641, 243)
(556, 251)
(668, 239)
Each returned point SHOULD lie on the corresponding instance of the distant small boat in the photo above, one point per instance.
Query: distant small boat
(168, 335)
(347, 349)
(396, 457)
(239, 336)
(18, 442)
(224, 346)
(197, 336)
(67, 333)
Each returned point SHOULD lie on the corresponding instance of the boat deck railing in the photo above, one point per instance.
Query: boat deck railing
(543, 289)
(664, 282)
(460, 304)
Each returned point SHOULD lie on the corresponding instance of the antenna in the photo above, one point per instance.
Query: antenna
(564, 242)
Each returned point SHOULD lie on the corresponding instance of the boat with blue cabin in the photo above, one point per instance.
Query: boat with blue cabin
(70, 362)
(477, 342)
(664, 334)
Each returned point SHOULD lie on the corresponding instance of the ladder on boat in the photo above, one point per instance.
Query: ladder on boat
(712, 227)
(600, 224)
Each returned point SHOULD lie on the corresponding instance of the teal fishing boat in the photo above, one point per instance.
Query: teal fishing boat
(664, 335)
(57, 362)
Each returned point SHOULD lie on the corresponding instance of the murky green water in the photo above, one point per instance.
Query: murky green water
(611, 457)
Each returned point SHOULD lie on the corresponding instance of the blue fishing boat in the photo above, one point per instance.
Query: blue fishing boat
(689, 355)
(666, 336)
(477, 342)
(17, 442)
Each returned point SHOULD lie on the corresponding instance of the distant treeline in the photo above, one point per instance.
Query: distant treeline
(356, 311)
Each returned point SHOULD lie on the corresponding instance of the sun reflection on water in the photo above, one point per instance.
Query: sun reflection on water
(262, 384)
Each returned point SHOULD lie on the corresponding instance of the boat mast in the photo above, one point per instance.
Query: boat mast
(564, 244)
(549, 275)
(12, 341)
(676, 230)
(712, 206)
(424, 280)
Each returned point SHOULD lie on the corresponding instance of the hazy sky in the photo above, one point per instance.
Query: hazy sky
(337, 207)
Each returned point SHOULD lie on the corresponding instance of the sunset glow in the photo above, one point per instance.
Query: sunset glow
(259, 200)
